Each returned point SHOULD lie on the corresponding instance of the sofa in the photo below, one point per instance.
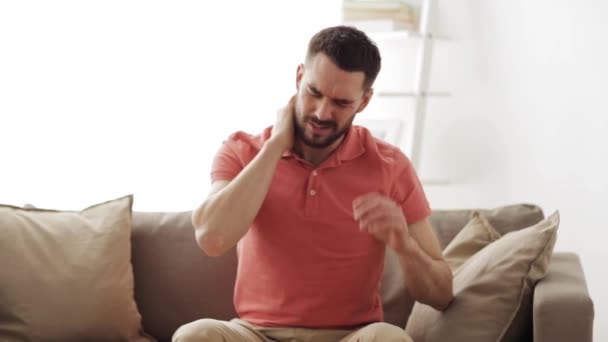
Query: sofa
(176, 283)
(106, 273)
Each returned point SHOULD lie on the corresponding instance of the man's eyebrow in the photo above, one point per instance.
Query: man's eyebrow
(341, 101)
(314, 89)
(344, 101)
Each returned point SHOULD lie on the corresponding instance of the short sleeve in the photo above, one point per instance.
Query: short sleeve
(408, 191)
(226, 163)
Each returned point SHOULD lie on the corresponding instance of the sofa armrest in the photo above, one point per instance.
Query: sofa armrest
(562, 308)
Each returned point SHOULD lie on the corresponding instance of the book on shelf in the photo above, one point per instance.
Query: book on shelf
(381, 25)
(379, 15)
(405, 17)
(382, 5)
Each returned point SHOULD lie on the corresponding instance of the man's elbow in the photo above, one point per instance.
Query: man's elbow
(447, 296)
(444, 302)
(212, 244)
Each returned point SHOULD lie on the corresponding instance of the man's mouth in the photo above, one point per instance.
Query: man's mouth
(317, 128)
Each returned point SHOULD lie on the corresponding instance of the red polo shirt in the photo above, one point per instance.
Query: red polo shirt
(304, 262)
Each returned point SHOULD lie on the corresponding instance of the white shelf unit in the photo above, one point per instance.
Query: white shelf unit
(403, 85)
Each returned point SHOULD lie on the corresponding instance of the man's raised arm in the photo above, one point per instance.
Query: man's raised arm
(231, 206)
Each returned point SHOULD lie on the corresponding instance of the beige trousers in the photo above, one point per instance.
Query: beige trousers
(239, 330)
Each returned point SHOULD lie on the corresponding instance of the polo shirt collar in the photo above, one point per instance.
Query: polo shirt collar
(350, 148)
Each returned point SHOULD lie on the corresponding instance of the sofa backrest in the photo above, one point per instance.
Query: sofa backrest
(176, 283)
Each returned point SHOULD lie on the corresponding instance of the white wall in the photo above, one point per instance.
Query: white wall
(529, 123)
(103, 99)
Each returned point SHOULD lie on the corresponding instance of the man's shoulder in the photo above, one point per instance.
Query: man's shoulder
(242, 141)
(383, 150)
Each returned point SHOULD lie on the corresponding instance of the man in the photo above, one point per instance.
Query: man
(312, 203)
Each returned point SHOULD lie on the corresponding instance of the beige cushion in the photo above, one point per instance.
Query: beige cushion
(447, 223)
(492, 290)
(396, 300)
(477, 234)
(67, 276)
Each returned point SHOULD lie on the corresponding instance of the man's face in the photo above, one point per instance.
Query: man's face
(327, 102)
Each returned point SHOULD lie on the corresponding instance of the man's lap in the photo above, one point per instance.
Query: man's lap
(239, 330)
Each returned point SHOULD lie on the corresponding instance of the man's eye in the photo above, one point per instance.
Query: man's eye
(342, 104)
(314, 93)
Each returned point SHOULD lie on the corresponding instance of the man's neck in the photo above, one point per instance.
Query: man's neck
(315, 156)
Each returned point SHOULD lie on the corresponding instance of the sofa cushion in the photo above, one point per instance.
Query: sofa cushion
(493, 290)
(447, 223)
(477, 234)
(66, 275)
(175, 282)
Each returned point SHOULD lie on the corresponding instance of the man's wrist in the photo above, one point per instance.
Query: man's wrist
(410, 249)
(274, 145)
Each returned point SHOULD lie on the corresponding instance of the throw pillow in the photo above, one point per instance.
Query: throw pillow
(493, 290)
(66, 275)
(473, 237)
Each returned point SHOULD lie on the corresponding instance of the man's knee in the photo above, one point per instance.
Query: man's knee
(378, 332)
(201, 330)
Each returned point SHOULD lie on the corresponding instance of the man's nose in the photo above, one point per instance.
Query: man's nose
(323, 111)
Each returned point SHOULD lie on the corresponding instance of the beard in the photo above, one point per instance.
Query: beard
(318, 141)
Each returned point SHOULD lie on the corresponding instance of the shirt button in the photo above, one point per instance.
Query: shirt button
(312, 192)
(314, 173)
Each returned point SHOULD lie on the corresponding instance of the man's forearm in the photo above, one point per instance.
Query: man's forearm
(428, 280)
(217, 222)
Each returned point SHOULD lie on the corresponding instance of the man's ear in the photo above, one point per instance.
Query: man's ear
(299, 75)
(366, 98)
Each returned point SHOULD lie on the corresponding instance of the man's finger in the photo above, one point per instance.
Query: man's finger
(379, 227)
(383, 223)
(362, 202)
(364, 207)
(372, 215)
(364, 198)
(292, 102)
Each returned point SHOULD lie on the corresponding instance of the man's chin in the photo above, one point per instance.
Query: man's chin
(309, 139)
(320, 143)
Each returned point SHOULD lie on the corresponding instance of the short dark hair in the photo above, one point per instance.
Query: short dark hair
(349, 48)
